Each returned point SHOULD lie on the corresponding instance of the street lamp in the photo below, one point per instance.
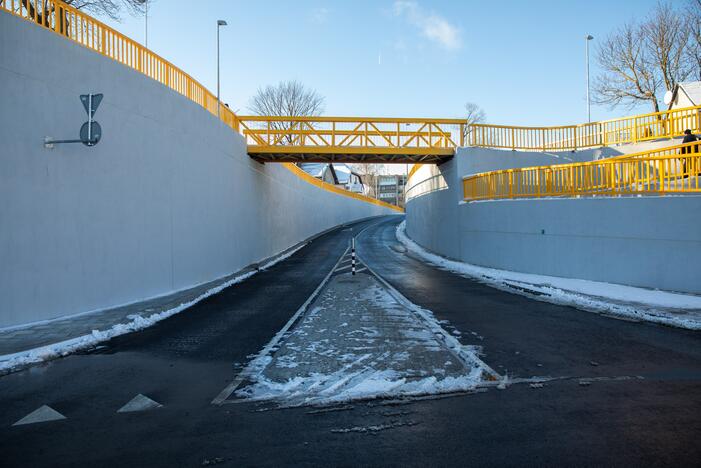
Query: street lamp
(220, 23)
(587, 39)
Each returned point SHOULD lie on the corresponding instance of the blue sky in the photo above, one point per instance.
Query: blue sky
(522, 61)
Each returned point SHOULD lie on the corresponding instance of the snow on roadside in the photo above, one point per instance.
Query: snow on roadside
(663, 307)
(135, 323)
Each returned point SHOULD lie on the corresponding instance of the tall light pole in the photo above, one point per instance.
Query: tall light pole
(220, 23)
(587, 39)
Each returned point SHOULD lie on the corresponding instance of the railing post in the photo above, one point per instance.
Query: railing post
(398, 137)
(572, 185)
(511, 183)
(333, 133)
(513, 139)
(542, 136)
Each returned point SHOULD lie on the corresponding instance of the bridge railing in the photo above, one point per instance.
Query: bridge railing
(675, 169)
(349, 132)
(632, 129)
(79, 27)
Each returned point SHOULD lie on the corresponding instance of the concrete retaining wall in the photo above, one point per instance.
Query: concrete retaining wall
(167, 200)
(650, 242)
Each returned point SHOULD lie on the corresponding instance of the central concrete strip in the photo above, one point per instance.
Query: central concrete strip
(355, 341)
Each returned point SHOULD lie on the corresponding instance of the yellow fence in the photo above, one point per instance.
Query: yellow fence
(76, 26)
(348, 133)
(676, 169)
(633, 129)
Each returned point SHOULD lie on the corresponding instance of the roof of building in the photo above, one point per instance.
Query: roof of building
(692, 89)
(313, 169)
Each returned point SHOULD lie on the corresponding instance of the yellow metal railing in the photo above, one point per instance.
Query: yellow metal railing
(430, 136)
(676, 169)
(76, 26)
(633, 129)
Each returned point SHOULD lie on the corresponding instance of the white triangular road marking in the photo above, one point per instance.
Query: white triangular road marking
(139, 403)
(42, 414)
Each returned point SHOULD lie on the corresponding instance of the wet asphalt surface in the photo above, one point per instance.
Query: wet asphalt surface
(641, 407)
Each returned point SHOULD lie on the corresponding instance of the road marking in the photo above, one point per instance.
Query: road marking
(139, 403)
(41, 414)
(231, 388)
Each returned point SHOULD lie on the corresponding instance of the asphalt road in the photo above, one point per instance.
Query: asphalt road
(643, 405)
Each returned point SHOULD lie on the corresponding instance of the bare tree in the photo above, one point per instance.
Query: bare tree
(42, 10)
(667, 34)
(628, 75)
(473, 115)
(643, 60)
(693, 24)
(288, 99)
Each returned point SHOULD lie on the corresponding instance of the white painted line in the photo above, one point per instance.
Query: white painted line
(231, 388)
(139, 403)
(41, 414)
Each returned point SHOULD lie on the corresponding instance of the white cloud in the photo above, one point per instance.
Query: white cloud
(319, 15)
(432, 26)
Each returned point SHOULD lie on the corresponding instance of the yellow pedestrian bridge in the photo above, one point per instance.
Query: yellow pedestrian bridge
(292, 139)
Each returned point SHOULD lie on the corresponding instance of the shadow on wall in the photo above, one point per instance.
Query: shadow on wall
(432, 184)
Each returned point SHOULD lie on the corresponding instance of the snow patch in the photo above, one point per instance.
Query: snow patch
(663, 307)
(135, 323)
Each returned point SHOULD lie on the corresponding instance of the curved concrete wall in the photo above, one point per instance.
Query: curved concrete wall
(167, 200)
(652, 242)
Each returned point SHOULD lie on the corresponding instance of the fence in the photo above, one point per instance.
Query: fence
(349, 132)
(670, 170)
(644, 127)
(79, 27)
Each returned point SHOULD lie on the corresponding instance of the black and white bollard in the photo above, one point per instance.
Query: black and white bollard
(353, 256)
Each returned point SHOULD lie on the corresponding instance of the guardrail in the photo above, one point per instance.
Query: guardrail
(76, 26)
(272, 133)
(644, 127)
(676, 169)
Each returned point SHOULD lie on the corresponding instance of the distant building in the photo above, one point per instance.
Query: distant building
(390, 188)
(336, 174)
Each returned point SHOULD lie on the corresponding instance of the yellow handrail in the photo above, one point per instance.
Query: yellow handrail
(76, 26)
(675, 169)
(634, 129)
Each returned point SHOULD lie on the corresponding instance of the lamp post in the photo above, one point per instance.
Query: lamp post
(587, 39)
(220, 23)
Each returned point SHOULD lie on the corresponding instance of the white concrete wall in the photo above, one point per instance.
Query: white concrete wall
(167, 200)
(650, 242)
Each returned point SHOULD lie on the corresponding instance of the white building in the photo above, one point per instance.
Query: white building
(684, 95)
(336, 174)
